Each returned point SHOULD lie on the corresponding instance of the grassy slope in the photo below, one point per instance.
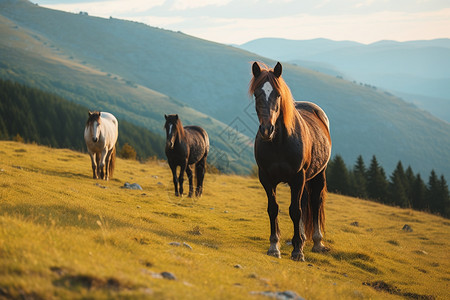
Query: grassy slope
(64, 235)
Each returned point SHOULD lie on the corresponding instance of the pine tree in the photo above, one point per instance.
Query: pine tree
(360, 178)
(409, 183)
(337, 176)
(397, 187)
(445, 210)
(377, 184)
(419, 194)
(433, 192)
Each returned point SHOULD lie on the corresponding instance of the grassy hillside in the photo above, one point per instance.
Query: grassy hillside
(64, 235)
(50, 120)
(141, 72)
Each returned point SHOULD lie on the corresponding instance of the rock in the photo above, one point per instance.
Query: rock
(133, 186)
(356, 224)
(407, 228)
(187, 245)
(101, 186)
(175, 244)
(168, 275)
(286, 295)
(238, 266)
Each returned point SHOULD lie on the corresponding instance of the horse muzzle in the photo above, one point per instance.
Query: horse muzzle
(95, 139)
(266, 131)
(170, 145)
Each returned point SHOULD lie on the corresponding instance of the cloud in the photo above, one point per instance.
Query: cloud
(189, 4)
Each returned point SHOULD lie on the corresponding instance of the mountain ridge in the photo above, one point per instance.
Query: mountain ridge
(142, 72)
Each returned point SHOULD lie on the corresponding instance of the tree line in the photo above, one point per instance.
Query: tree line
(403, 188)
(32, 115)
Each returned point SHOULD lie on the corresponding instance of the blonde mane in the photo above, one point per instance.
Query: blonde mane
(287, 101)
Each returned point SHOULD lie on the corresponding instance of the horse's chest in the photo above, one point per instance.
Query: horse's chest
(279, 162)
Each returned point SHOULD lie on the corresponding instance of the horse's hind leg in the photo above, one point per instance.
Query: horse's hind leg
(189, 175)
(200, 170)
(107, 162)
(318, 190)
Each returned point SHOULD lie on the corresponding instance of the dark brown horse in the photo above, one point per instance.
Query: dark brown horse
(186, 146)
(293, 145)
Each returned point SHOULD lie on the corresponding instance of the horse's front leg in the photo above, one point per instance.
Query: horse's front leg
(102, 163)
(94, 165)
(173, 168)
(272, 210)
(297, 185)
(181, 178)
(189, 175)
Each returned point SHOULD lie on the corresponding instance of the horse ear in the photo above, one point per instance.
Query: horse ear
(176, 117)
(277, 70)
(165, 116)
(90, 113)
(256, 69)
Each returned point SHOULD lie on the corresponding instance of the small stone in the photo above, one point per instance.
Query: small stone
(133, 186)
(238, 266)
(168, 275)
(356, 224)
(187, 245)
(175, 244)
(407, 228)
(138, 206)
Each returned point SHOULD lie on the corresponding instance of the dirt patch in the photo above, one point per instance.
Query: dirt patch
(382, 286)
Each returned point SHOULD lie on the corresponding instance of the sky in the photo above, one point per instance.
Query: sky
(240, 21)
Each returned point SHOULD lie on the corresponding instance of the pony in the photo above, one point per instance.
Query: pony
(100, 135)
(292, 145)
(186, 146)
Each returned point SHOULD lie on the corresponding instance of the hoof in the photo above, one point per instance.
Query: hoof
(274, 253)
(298, 256)
(177, 194)
(320, 249)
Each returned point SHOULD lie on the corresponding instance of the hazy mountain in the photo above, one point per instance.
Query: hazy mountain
(141, 72)
(419, 69)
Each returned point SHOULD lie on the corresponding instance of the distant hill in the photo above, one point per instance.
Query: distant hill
(418, 70)
(140, 73)
(50, 120)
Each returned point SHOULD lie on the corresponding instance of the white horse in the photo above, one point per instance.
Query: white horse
(100, 135)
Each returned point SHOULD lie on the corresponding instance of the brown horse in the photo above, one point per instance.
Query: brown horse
(186, 146)
(293, 145)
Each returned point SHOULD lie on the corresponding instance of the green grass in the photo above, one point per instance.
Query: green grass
(65, 235)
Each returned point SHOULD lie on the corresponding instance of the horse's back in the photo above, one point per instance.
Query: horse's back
(112, 128)
(308, 109)
(198, 143)
(319, 133)
(110, 117)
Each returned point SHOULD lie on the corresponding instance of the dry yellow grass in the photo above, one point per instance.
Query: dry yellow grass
(65, 235)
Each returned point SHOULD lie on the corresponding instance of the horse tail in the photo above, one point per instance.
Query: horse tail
(309, 208)
(112, 162)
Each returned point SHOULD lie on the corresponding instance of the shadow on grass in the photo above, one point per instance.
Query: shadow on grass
(58, 215)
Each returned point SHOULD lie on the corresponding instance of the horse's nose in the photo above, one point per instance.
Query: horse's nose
(266, 131)
(95, 139)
